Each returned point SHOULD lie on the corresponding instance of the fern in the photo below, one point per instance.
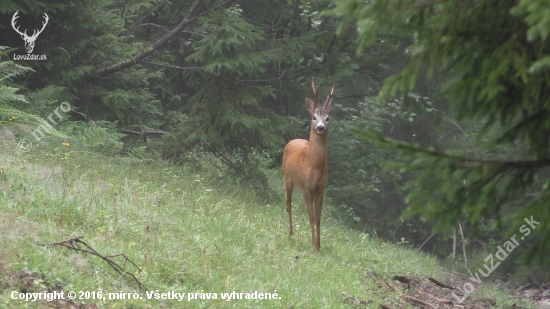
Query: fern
(100, 136)
(35, 120)
(47, 94)
(7, 94)
(9, 69)
(138, 152)
(9, 99)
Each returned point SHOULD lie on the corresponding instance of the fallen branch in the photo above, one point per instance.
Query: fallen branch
(391, 285)
(144, 134)
(403, 279)
(442, 284)
(443, 301)
(80, 246)
(500, 278)
(525, 287)
(372, 274)
(419, 302)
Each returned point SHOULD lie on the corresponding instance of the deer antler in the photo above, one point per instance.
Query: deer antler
(329, 96)
(15, 16)
(315, 92)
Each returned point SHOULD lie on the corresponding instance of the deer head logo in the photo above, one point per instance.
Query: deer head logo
(29, 40)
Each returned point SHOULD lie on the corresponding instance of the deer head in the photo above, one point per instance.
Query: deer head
(29, 40)
(319, 113)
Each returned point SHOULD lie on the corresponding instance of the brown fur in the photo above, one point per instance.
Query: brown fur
(305, 166)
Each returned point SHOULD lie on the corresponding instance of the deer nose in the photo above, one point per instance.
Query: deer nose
(320, 128)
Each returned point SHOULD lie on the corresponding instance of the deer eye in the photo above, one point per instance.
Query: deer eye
(314, 118)
(327, 119)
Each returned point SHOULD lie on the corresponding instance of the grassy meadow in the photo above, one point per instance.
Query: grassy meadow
(183, 230)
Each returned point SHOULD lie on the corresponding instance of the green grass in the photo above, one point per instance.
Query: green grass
(188, 230)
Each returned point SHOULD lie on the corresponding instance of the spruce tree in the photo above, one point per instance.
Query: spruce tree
(496, 57)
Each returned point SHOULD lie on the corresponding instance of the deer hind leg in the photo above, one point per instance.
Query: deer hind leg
(308, 197)
(289, 187)
(318, 207)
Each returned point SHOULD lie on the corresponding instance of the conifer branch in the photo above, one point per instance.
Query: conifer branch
(136, 24)
(388, 142)
(128, 63)
(136, 59)
(170, 66)
(261, 80)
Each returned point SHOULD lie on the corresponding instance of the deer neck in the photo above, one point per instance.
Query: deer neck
(318, 148)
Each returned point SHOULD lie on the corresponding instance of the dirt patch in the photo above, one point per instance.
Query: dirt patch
(429, 292)
(45, 173)
(7, 134)
(33, 285)
(23, 283)
(13, 229)
(540, 293)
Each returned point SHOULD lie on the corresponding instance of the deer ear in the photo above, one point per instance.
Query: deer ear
(310, 105)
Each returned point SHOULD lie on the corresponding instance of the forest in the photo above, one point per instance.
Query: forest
(439, 135)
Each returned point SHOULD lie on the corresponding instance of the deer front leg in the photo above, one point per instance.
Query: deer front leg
(318, 207)
(308, 197)
(289, 187)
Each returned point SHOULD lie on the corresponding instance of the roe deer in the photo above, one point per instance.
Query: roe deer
(305, 164)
